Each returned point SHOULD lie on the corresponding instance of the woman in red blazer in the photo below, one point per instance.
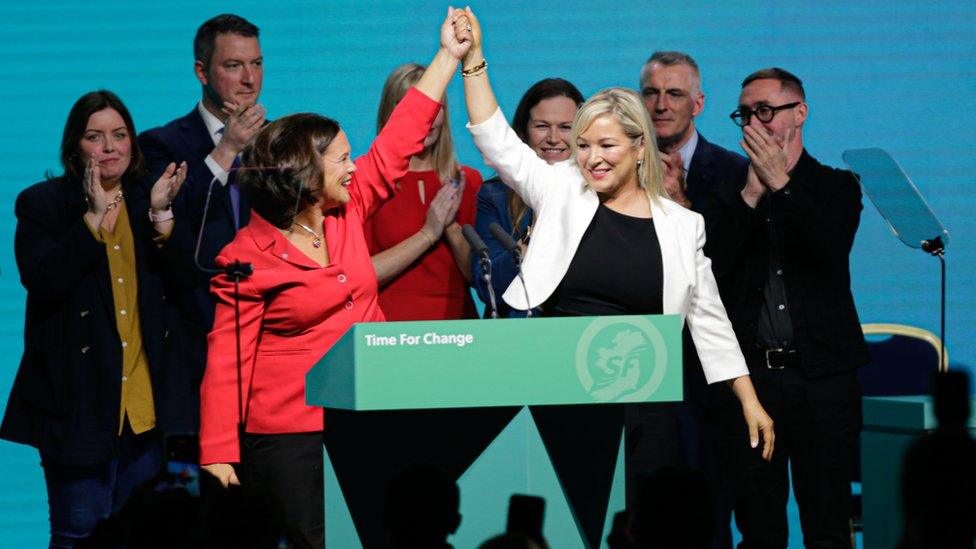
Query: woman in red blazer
(312, 280)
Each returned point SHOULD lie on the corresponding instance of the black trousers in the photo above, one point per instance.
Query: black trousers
(651, 442)
(290, 466)
(817, 424)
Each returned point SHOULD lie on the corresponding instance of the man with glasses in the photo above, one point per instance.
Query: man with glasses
(670, 83)
(780, 243)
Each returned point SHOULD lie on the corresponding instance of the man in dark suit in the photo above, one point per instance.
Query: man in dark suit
(229, 66)
(780, 241)
(670, 83)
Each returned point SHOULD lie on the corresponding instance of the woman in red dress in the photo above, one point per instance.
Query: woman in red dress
(423, 274)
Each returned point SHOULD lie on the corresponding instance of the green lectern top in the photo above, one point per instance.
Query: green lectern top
(510, 362)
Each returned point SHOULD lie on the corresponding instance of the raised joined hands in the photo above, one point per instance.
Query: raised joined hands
(468, 30)
(452, 33)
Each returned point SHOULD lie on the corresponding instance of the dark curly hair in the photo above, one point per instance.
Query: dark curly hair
(283, 161)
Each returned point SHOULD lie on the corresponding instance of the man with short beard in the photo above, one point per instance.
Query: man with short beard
(229, 66)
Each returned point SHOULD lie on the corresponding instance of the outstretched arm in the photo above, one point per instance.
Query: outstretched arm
(516, 163)
(403, 135)
(479, 97)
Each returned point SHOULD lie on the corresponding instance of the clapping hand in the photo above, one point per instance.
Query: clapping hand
(768, 157)
(443, 208)
(94, 193)
(754, 188)
(166, 187)
(243, 123)
(674, 177)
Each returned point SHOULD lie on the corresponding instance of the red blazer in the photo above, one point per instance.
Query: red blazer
(433, 288)
(292, 311)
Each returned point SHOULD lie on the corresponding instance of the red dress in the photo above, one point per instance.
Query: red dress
(292, 310)
(433, 288)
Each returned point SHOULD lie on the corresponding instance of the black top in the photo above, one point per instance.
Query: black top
(775, 329)
(617, 270)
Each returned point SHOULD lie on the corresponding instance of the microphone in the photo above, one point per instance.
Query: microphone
(506, 241)
(203, 223)
(509, 243)
(478, 246)
(237, 270)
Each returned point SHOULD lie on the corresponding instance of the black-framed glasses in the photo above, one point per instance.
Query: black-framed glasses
(764, 113)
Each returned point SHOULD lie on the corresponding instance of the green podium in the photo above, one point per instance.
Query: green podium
(508, 406)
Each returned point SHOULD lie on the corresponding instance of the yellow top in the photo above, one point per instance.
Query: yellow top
(137, 396)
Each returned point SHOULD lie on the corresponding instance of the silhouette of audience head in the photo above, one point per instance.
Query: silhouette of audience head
(421, 507)
(938, 483)
(510, 541)
(675, 508)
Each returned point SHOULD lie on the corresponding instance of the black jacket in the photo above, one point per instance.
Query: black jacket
(710, 167)
(188, 139)
(66, 395)
(815, 217)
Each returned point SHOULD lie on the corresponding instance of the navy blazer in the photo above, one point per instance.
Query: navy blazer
(66, 395)
(493, 208)
(710, 166)
(187, 139)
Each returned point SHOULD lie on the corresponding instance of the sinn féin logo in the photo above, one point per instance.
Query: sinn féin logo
(620, 360)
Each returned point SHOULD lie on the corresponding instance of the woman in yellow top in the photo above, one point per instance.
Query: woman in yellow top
(102, 373)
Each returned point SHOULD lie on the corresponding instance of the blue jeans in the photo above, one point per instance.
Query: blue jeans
(81, 495)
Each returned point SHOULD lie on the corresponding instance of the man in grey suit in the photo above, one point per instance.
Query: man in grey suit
(670, 83)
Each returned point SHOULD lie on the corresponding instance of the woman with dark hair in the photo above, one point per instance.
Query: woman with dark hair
(423, 274)
(312, 280)
(102, 373)
(543, 120)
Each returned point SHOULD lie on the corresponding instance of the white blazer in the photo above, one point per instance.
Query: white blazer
(564, 206)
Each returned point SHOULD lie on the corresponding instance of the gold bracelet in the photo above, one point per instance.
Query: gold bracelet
(477, 69)
(428, 237)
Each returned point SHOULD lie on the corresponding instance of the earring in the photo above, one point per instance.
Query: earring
(640, 163)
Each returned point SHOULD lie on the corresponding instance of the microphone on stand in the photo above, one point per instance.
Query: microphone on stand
(236, 271)
(478, 246)
(513, 248)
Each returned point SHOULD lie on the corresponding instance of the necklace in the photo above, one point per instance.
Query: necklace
(115, 202)
(316, 237)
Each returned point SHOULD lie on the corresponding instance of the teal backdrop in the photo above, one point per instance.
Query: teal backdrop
(895, 74)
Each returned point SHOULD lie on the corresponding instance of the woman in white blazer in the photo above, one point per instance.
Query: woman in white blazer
(611, 183)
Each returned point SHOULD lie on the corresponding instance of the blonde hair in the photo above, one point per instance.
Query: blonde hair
(628, 109)
(394, 89)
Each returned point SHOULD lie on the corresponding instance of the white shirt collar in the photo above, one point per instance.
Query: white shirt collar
(214, 125)
(688, 150)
